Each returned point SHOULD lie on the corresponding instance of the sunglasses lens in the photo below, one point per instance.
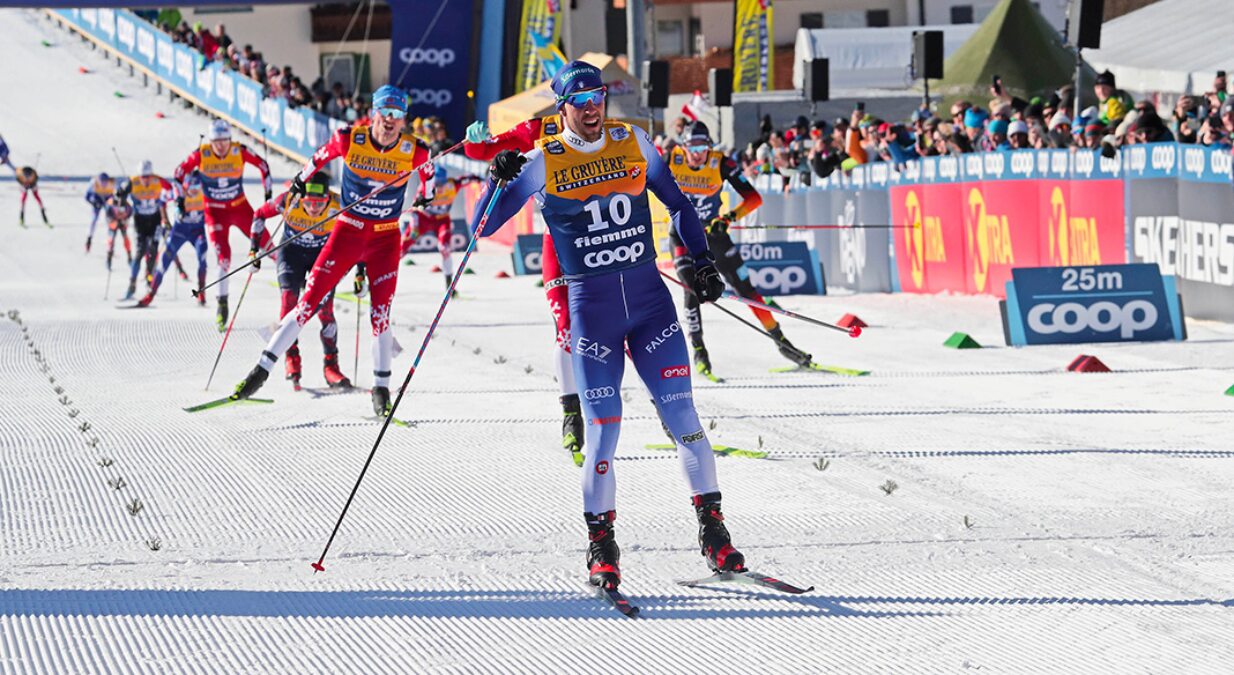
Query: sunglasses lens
(582, 98)
(392, 113)
(697, 148)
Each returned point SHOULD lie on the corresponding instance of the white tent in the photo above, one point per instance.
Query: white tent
(869, 58)
(1172, 46)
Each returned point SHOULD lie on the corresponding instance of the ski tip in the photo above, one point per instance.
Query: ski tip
(318, 567)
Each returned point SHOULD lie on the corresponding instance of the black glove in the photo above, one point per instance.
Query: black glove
(180, 205)
(269, 194)
(708, 285)
(360, 284)
(254, 249)
(297, 189)
(506, 165)
(719, 224)
(420, 202)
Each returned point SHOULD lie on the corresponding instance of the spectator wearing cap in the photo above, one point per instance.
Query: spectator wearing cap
(826, 153)
(897, 143)
(996, 135)
(1017, 134)
(1060, 130)
(1094, 131)
(1227, 117)
(1114, 103)
(974, 126)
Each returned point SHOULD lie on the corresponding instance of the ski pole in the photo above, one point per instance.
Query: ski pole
(400, 177)
(123, 173)
(725, 310)
(355, 365)
(110, 254)
(820, 227)
(231, 323)
(855, 331)
(462, 267)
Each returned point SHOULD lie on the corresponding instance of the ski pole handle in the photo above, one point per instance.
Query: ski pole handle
(855, 331)
(820, 227)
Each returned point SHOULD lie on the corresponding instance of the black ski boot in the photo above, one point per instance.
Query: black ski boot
(702, 361)
(713, 537)
(572, 427)
(603, 555)
(132, 291)
(450, 280)
(88, 242)
(381, 401)
(788, 351)
(249, 386)
(220, 318)
(44, 214)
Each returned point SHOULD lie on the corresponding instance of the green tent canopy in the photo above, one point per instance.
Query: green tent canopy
(1016, 43)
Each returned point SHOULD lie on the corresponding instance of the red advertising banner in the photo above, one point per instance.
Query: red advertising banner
(967, 236)
(929, 252)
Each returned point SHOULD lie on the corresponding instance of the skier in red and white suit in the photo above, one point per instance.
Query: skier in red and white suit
(374, 152)
(221, 165)
(432, 214)
(522, 138)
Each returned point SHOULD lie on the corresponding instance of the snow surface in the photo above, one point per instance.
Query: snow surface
(1101, 529)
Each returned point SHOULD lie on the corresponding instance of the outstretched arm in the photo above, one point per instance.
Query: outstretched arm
(521, 138)
(750, 198)
(188, 165)
(254, 159)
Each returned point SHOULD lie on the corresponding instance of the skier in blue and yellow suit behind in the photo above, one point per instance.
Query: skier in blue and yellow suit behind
(591, 183)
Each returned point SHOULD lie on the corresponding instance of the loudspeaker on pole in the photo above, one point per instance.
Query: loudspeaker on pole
(928, 54)
(654, 92)
(1084, 23)
(816, 84)
(720, 84)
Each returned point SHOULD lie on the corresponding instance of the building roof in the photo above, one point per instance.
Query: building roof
(1170, 46)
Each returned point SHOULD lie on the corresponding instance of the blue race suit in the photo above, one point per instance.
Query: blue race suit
(190, 227)
(594, 200)
(97, 195)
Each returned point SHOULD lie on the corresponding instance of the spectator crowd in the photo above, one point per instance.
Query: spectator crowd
(336, 101)
(808, 151)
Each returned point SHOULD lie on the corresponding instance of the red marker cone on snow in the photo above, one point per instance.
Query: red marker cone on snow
(850, 320)
(83, 70)
(435, 269)
(1087, 364)
(502, 274)
(159, 115)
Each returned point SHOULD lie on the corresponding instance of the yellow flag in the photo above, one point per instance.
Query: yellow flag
(753, 46)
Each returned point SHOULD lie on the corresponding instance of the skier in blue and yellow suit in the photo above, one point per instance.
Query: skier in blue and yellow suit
(591, 183)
